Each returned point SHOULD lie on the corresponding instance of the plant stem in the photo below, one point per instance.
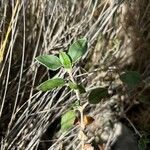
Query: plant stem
(81, 109)
(72, 79)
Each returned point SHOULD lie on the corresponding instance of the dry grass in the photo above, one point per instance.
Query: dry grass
(30, 28)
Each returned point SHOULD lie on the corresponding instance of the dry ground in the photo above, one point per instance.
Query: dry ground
(118, 33)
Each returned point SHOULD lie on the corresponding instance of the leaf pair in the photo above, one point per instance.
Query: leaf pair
(131, 78)
(59, 82)
(75, 52)
(53, 62)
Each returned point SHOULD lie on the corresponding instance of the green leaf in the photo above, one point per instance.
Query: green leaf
(75, 86)
(65, 60)
(67, 120)
(50, 61)
(51, 84)
(81, 89)
(131, 78)
(78, 49)
(76, 105)
(72, 85)
(97, 94)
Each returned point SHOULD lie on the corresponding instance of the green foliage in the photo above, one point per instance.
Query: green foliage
(51, 84)
(50, 61)
(75, 105)
(67, 120)
(65, 60)
(81, 89)
(97, 94)
(78, 49)
(75, 86)
(142, 144)
(131, 78)
(72, 85)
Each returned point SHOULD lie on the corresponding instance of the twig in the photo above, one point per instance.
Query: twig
(136, 131)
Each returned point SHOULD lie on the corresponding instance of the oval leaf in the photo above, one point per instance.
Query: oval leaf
(51, 84)
(50, 61)
(65, 60)
(78, 49)
(131, 78)
(97, 95)
(67, 120)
